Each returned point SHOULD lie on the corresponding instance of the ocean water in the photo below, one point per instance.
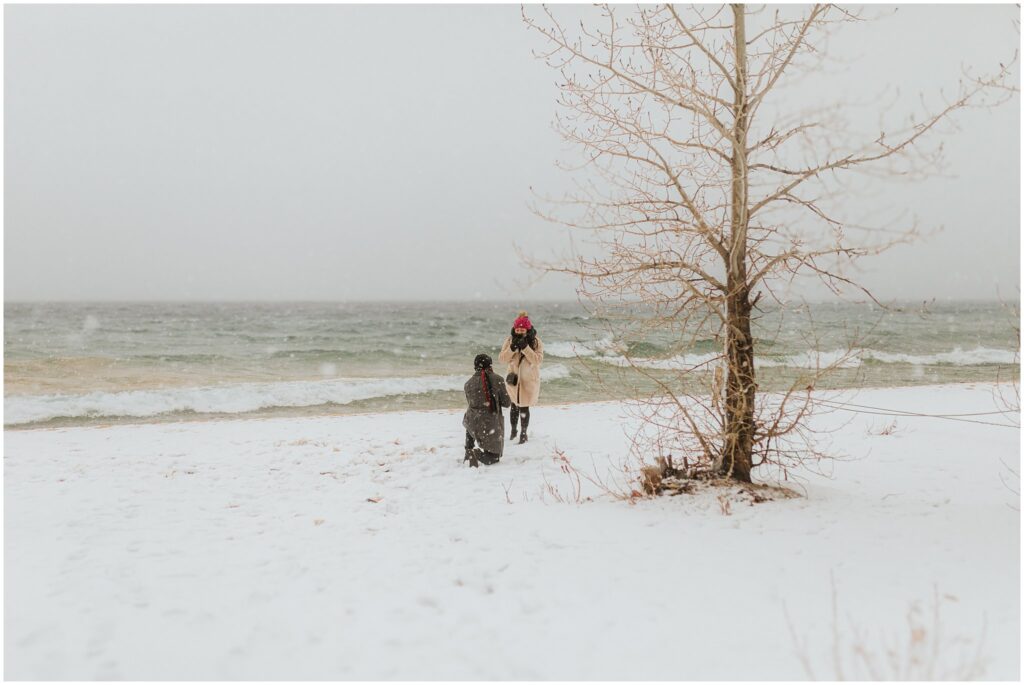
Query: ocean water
(75, 363)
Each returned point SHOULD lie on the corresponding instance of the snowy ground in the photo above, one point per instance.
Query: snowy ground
(360, 547)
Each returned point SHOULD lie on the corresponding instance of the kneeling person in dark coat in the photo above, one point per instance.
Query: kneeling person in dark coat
(486, 395)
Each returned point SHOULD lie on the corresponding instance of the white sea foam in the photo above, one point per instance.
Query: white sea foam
(839, 358)
(228, 399)
(958, 357)
(812, 360)
(231, 399)
(679, 362)
(554, 372)
(573, 349)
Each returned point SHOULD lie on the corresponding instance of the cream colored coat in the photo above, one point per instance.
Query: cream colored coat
(525, 363)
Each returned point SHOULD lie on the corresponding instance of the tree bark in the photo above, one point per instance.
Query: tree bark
(740, 387)
(740, 390)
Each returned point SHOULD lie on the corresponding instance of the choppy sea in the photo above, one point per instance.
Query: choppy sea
(76, 364)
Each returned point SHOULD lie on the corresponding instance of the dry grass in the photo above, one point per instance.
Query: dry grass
(887, 429)
(922, 651)
(664, 478)
(632, 483)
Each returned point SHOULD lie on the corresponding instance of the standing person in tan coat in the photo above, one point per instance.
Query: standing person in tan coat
(523, 352)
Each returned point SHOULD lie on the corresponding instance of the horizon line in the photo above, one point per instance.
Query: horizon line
(467, 301)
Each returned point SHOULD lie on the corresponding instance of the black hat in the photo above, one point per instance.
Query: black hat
(482, 361)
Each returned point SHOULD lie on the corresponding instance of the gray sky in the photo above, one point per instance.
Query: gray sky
(386, 152)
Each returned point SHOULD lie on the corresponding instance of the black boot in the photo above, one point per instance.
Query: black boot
(513, 415)
(489, 458)
(473, 456)
(526, 422)
(470, 457)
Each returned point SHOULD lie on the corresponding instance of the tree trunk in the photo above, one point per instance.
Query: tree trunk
(740, 389)
(740, 386)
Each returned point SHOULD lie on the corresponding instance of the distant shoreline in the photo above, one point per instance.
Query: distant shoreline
(298, 413)
(78, 364)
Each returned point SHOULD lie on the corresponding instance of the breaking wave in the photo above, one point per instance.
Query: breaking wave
(979, 356)
(605, 352)
(238, 398)
(571, 350)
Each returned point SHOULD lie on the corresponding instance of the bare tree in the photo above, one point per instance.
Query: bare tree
(706, 197)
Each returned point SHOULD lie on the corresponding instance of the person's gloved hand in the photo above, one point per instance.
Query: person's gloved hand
(531, 338)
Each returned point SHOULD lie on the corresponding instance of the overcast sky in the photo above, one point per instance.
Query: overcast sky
(386, 152)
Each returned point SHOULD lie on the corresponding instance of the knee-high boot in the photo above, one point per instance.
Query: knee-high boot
(526, 422)
(513, 415)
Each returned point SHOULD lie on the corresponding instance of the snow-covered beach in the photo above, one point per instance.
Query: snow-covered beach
(360, 547)
(260, 260)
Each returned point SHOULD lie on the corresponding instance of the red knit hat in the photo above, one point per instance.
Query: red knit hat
(522, 322)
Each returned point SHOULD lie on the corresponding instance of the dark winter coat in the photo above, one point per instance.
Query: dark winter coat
(484, 423)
